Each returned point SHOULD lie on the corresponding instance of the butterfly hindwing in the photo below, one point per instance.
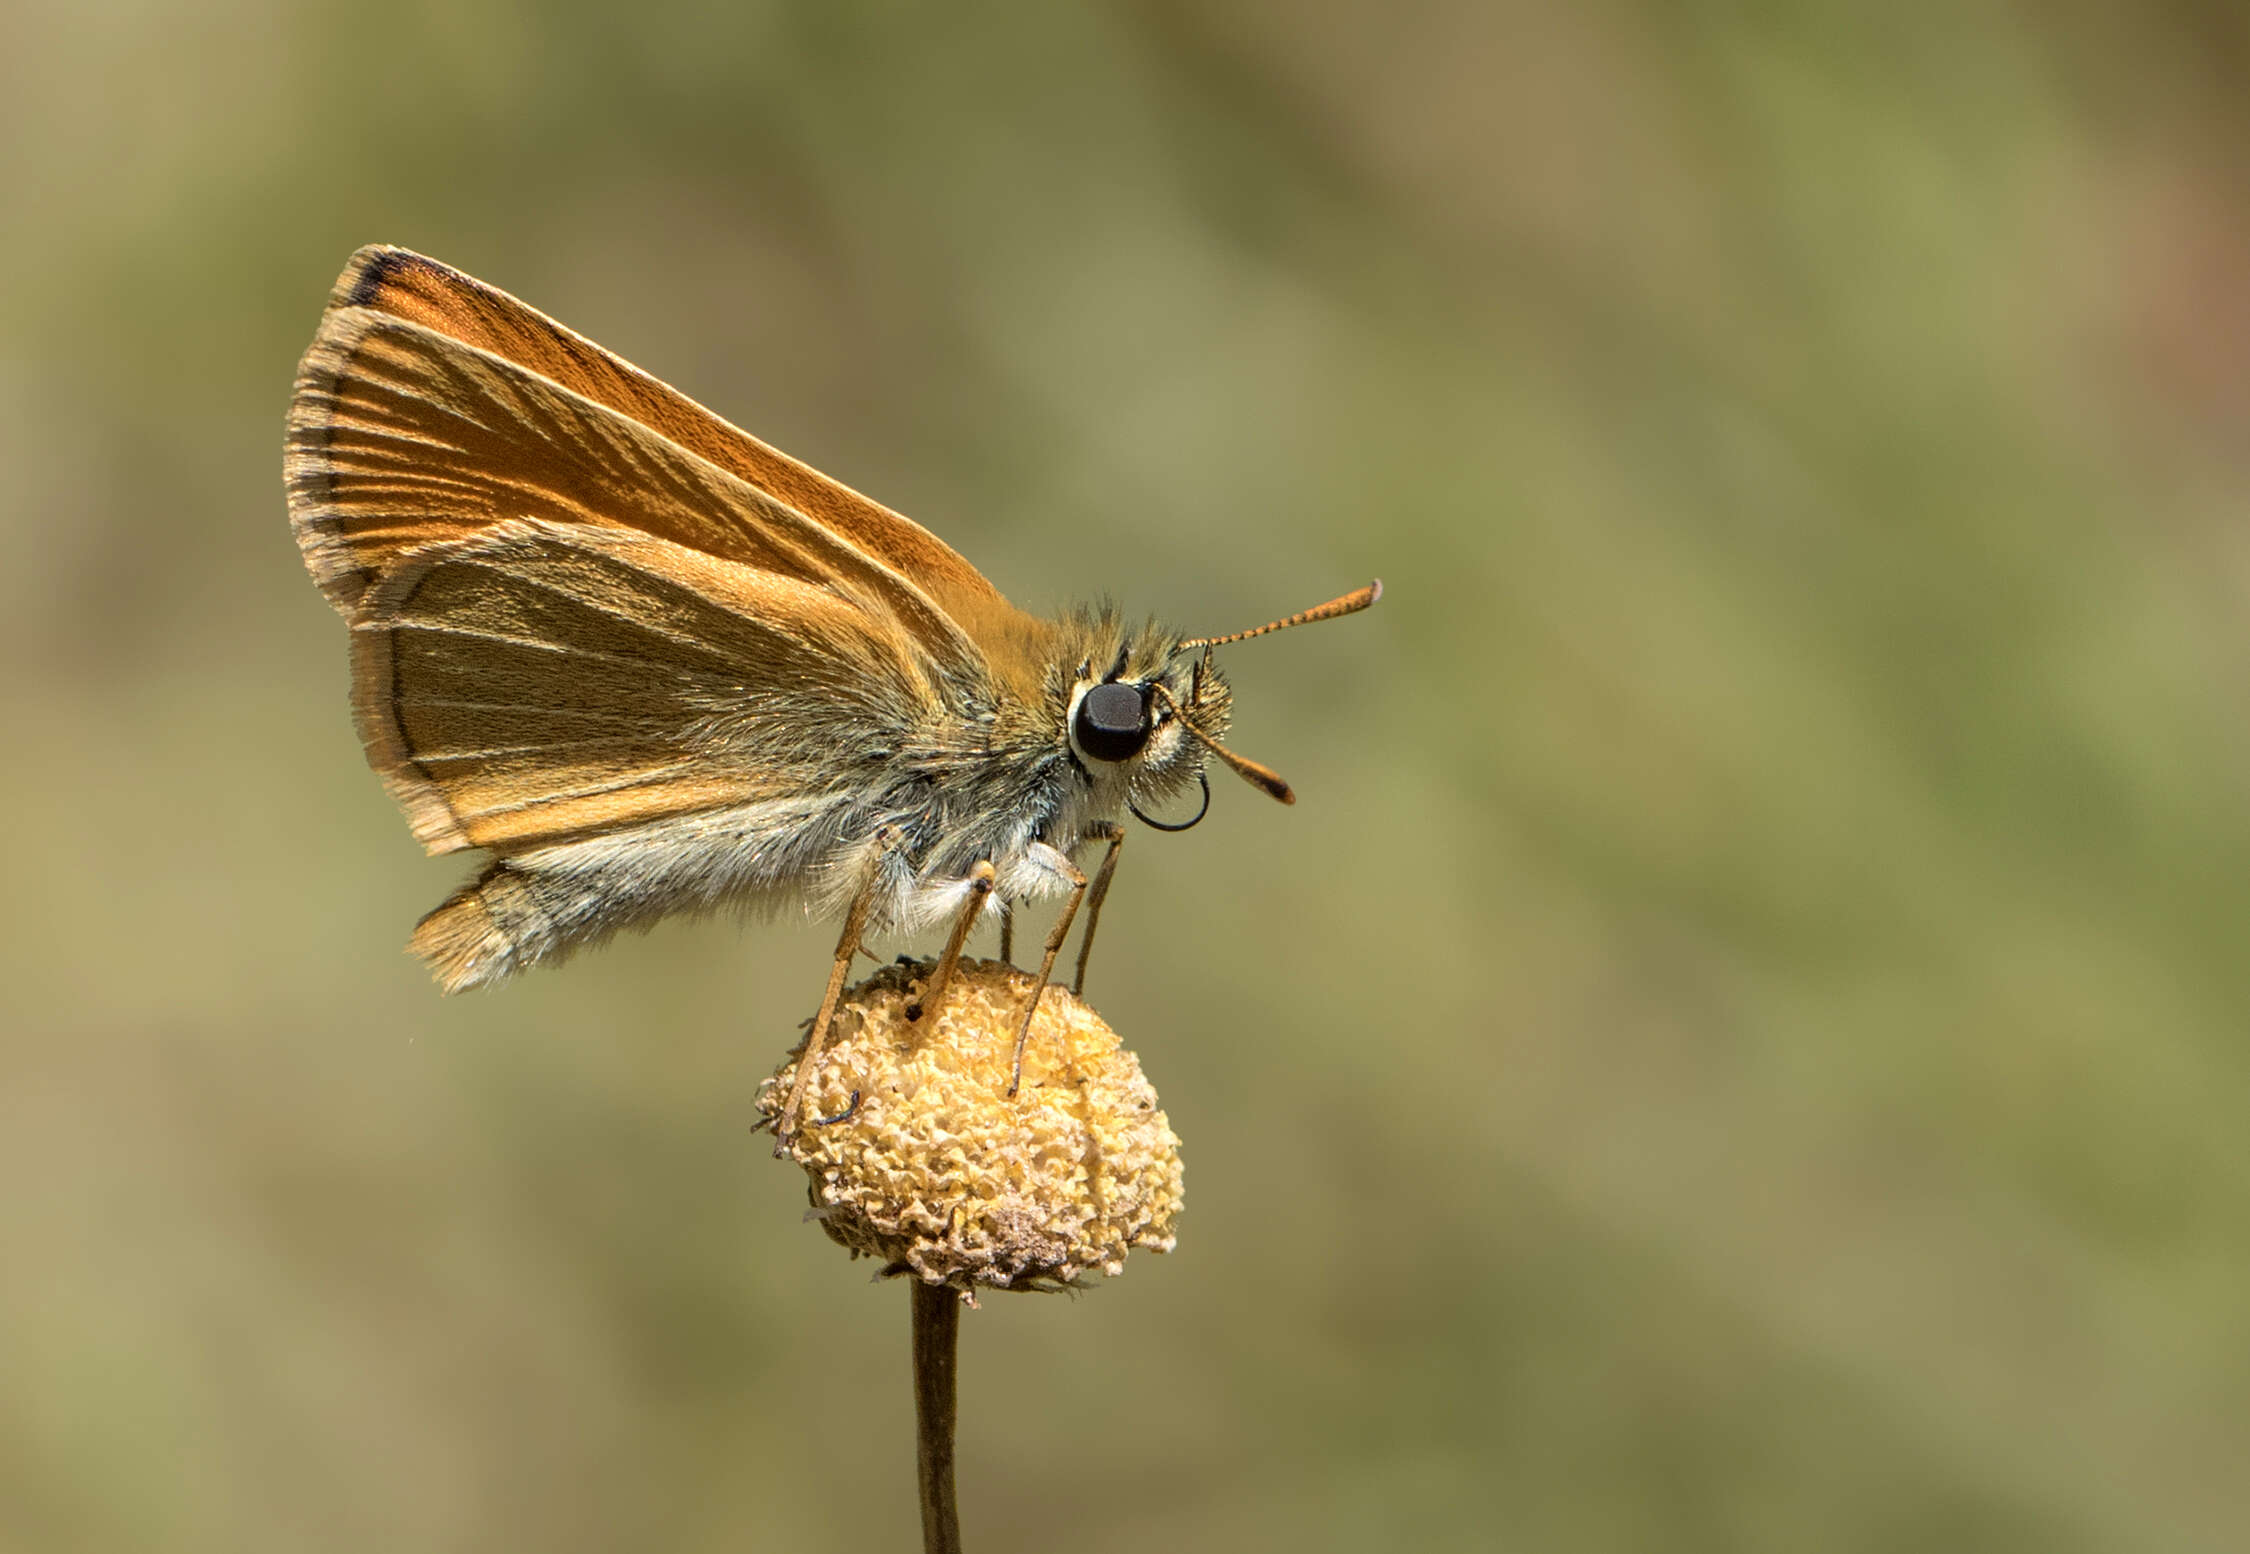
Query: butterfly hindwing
(541, 680)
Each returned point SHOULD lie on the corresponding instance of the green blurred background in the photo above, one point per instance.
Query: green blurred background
(1741, 1045)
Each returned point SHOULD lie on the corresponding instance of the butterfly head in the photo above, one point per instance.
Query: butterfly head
(1162, 705)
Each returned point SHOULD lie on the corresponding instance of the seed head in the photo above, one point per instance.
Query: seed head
(942, 1174)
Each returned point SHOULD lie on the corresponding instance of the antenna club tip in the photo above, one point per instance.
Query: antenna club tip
(1375, 591)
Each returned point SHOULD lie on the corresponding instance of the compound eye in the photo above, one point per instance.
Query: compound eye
(1112, 721)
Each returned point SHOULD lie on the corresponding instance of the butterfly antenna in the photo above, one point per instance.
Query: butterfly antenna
(1263, 777)
(1358, 599)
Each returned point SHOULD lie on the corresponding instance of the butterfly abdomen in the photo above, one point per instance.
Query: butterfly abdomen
(543, 903)
(477, 936)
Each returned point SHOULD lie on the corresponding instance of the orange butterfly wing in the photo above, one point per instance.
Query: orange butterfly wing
(406, 285)
(540, 680)
(540, 588)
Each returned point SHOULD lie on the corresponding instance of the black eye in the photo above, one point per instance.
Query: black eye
(1112, 721)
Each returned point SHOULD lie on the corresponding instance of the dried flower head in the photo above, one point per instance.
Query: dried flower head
(937, 1170)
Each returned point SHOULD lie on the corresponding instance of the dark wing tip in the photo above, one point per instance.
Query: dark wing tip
(371, 269)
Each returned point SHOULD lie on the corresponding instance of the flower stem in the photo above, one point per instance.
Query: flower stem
(937, 1327)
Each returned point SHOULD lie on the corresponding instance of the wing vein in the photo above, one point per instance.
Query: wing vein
(642, 777)
(535, 644)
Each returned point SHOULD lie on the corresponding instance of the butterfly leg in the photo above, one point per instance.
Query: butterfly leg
(855, 926)
(1116, 835)
(981, 880)
(1007, 933)
(1078, 883)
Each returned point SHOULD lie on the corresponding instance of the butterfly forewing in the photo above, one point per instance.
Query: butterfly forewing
(401, 437)
(405, 285)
